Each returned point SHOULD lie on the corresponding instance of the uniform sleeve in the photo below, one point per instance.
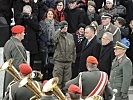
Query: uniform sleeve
(74, 52)
(117, 36)
(12, 92)
(73, 81)
(127, 75)
(56, 36)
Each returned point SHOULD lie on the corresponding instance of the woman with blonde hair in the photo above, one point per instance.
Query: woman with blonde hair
(95, 25)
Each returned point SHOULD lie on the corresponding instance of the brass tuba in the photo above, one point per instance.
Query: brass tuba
(51, 85)
(10, 69)
(31, 86)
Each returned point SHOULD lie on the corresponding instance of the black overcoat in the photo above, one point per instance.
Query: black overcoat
(92, 49)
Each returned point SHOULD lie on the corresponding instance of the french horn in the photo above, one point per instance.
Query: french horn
(51, 85)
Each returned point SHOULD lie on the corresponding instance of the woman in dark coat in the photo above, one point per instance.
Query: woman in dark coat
(91, 14)
(48, 27)
(78, 39)
(121, 23)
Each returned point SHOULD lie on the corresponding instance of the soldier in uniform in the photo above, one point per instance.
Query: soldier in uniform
(107, 26)
(121, 71)
(74, 92)
(48, 94)
(90, 81)
(65, 54)
(21, 93)
(14, 49)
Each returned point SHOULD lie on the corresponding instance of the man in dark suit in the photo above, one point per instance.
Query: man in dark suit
(91, 46)
(107, 26)
(91, 81)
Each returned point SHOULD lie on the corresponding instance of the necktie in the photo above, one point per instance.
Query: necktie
(87, 42)
(105, 28)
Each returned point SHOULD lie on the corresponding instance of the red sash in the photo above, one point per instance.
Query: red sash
(100, 86)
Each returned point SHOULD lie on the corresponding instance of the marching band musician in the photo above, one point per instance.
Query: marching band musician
(48, 95)
(14, 49)
(74, 92)
(93, 81)
(21, 93)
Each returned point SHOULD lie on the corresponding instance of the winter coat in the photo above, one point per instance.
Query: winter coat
(92, 49)
(65, 50)
(31, 32)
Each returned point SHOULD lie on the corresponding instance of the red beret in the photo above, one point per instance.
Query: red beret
(25, 68)
(44, 82)
(74, 88)
(92, 59)
(17, 29)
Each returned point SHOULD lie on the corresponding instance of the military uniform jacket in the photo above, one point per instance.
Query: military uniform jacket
(89, 79)
(114, 30)
(11, 51)
(65, 50)
(48, 97)
(120, 76)
(20, 93)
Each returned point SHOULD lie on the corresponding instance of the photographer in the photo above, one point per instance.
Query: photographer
(31, 24)
(18, 8)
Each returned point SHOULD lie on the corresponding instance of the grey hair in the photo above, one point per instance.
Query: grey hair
(109, 35)
(27, 8)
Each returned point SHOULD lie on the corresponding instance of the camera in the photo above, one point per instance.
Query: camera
(26, 15)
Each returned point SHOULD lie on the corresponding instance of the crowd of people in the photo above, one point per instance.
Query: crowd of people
(79, 41)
